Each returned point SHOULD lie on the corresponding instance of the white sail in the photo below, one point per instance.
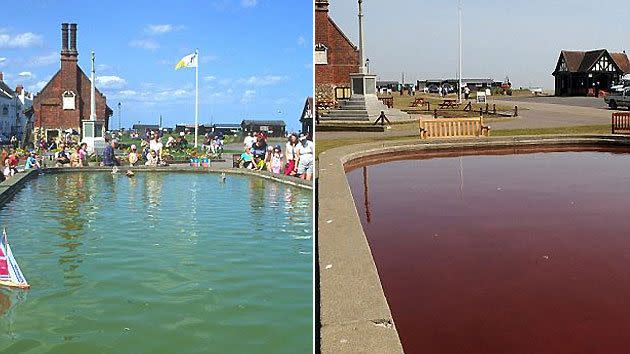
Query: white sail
(10, 272)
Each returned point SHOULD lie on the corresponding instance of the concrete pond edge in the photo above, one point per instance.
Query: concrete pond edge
(10, 187)
(354, 316)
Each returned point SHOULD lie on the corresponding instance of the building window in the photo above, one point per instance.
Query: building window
(5, 110)
(321, 54)
(69, 98)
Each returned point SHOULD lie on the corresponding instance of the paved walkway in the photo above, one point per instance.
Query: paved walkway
(547, 112)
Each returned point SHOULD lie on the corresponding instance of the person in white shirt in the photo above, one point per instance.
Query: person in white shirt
(156, 145)
(305, 150)
(249, 140)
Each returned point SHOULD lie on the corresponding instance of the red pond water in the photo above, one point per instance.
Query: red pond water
(515, 253)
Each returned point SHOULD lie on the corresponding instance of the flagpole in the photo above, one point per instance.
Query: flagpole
(196, 96)
(459, 22)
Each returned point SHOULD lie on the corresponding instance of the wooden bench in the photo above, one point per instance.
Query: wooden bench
(621, 123)
(388, 101)
(453, 128)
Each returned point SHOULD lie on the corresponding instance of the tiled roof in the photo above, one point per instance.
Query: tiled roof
(5, 90)
(622, 61)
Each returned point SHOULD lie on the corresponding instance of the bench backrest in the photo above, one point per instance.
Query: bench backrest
(453, 128)
(621, 123)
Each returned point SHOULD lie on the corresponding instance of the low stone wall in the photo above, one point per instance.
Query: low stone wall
(354, 316)
(11, 186)
(187, 169)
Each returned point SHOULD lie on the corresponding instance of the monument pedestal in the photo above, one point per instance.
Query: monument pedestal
(363, 104)
(94, 135)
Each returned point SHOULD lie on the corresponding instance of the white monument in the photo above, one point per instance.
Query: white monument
(363, 104)
(93, 129)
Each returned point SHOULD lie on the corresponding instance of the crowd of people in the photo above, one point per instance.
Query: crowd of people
(296, 160)
(151, 150)
(10, 159)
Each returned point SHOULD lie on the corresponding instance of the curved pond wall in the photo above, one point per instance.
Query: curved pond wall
(354, 312)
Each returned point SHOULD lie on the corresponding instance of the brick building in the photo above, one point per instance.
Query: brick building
(335, 55)
(65, 100)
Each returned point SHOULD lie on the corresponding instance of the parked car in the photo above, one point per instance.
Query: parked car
(617, 99)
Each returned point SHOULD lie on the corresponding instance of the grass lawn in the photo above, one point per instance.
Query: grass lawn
(323, 145)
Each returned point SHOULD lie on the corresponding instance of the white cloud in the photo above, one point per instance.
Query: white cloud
(265, 80)
(3, 61)
(148, 44)
(301, 41)
(128, 93)
(26, 75)
(20, 40)
(38, 86)
(249, 3)
(164, 28)
(44, 60)
(210, 78)
(248, 96)
(110, 81)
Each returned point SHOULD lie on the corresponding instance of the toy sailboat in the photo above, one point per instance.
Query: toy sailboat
(10, 273)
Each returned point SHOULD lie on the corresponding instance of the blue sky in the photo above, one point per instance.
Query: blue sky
(521, 39)
(255, 55)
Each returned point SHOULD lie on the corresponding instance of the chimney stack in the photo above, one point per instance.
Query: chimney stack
(73, 38)
(321, 5)
(1, 76)
(19, 89)
(64, 38)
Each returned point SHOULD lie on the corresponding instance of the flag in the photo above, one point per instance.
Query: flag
(189, 61)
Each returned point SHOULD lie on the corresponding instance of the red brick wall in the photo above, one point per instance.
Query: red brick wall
(47, 105)
(343, 58)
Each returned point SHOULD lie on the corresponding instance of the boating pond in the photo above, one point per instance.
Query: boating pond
(162, 262)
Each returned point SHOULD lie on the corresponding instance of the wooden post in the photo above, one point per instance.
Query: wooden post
(428, 106)
(487, 107)
(480, 111)
(435, 113)
(515, 111)
(494, 109)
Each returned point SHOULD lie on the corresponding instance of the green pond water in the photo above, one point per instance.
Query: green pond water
(159, 263)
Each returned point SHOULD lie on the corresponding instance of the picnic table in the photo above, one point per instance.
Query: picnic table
(418, 102)
(449, 103)
(388, 101)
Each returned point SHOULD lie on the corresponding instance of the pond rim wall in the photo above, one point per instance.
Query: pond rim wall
(354, 316)
(10, 187)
